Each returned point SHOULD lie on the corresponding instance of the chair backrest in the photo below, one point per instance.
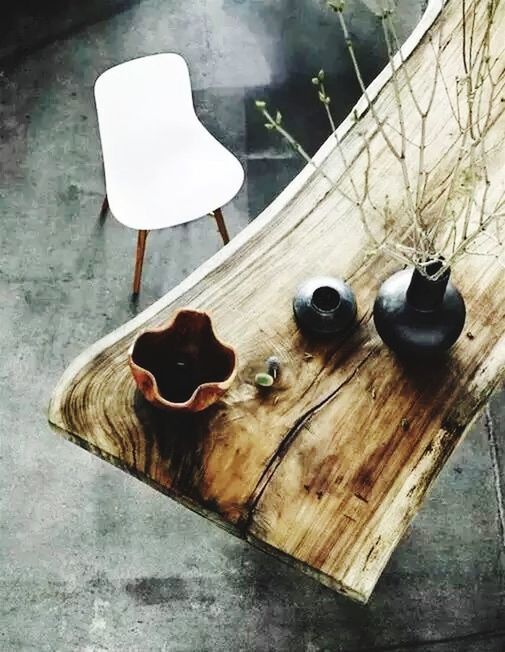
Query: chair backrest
(143, 105)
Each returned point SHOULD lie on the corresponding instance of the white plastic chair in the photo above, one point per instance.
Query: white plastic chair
(162, 166)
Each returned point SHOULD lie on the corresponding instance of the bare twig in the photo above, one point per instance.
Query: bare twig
(445, 218)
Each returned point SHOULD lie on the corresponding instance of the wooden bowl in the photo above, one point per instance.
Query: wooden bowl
(183, 365)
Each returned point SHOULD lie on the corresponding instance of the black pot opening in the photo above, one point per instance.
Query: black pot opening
(325, 299)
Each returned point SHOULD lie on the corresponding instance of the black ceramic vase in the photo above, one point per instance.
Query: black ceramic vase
(417, 316)
(324, 306)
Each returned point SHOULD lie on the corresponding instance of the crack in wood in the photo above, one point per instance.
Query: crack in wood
(371, 552)
(286, 443)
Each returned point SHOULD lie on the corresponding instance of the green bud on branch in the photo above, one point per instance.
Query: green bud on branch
(336, 5)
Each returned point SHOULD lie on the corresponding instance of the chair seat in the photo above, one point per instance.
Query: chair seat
(162, 166)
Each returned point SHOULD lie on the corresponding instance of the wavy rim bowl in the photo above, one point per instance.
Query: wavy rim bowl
(151, 390)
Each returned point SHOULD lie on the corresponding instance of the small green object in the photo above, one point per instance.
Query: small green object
(260, 104)
(336, 5)
(263, 380)
(320, 75)
(315, 81)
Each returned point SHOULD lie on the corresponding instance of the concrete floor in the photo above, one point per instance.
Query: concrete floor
(92, 559)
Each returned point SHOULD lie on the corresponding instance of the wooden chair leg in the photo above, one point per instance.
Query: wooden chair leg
(105, 208)
(139, 259)
(218, 215)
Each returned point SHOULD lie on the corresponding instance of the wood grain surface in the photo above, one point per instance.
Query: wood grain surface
(327, 469)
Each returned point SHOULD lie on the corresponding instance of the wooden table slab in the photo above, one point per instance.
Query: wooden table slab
(327, 470)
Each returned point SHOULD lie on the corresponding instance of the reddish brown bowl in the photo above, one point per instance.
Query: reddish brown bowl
(182, 366)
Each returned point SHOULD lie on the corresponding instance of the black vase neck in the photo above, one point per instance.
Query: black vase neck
(425, 293)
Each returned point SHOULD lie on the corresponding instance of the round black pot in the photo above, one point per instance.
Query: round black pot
(324, 306)
(416, 316)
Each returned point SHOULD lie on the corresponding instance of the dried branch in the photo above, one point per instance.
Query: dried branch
(445, 219)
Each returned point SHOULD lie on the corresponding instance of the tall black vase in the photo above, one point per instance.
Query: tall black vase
(417, 316)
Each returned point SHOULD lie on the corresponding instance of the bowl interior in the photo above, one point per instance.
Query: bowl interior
(184, 356)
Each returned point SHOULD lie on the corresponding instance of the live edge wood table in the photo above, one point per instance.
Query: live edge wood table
(327, 470)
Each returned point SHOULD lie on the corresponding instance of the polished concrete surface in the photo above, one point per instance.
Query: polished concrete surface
(91, 559)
